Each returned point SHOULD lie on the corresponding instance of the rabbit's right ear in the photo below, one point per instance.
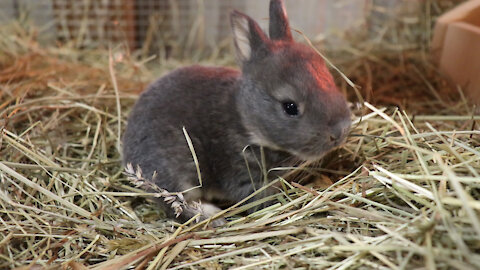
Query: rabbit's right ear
(250, 41)
(279, 26)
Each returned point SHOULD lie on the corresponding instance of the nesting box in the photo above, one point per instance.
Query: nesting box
(456, 45)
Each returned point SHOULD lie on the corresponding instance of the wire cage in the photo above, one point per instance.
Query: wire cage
(173, 25)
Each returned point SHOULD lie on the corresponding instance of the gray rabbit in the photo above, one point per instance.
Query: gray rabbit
(283, 101)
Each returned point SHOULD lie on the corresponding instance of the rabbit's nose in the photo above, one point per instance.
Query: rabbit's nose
(339, 131)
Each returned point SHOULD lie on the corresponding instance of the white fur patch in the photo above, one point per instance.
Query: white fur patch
(210, 209)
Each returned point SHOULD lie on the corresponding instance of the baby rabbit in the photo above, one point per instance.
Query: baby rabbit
(283, 100)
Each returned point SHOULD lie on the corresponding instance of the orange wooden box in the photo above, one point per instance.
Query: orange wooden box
(456, 46)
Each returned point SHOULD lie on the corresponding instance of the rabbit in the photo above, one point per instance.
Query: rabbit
(282, 105)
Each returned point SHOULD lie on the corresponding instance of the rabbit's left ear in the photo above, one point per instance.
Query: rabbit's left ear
(250, 41)
(279, 28)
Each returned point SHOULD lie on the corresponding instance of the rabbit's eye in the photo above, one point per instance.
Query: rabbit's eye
(290, 108)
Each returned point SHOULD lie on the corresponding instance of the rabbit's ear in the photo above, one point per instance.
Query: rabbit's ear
(279, 27)
(250, 41)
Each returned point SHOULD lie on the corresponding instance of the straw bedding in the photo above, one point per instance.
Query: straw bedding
(402, 193)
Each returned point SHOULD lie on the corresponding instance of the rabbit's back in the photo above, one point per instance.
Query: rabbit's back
(190, 87)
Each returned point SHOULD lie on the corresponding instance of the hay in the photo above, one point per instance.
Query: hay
(403, 193)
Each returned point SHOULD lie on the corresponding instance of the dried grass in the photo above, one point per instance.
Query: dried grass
(403, 193)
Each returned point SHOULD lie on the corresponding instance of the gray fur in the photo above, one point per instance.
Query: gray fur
(225, 110)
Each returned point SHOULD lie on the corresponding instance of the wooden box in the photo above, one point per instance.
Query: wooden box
(456, 46)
